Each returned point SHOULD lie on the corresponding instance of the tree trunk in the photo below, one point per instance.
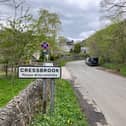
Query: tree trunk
(6, 69)
(15, 70)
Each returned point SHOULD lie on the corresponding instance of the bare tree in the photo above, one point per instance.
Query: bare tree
(5, 0)
(114, 8)
(15, 39)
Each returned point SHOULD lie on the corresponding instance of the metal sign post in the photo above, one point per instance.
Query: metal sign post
(44, 96)
(52, 87)
(45, 72)
(44, 45)
(52, 91)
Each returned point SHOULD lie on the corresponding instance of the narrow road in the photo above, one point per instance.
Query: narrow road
(107, 90)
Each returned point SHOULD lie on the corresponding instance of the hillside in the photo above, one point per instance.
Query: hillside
(109, 43)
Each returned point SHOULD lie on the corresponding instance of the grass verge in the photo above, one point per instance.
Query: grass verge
(67, 110)
(10, 87)
(61, 62)
(119, 68)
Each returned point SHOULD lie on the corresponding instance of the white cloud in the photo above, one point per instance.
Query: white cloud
(75, 39)
(86, 34)
(68, 22)
(3, 23)
(82, 4)
(79, 17)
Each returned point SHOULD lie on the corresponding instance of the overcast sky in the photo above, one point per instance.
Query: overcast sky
(80, 18)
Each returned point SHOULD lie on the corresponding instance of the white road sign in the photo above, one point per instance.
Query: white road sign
(39, 72)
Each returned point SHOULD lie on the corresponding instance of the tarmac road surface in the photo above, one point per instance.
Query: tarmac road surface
(106, 90)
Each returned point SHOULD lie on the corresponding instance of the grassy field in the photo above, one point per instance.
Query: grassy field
(67, 110)
(119, 68)
(9, 87)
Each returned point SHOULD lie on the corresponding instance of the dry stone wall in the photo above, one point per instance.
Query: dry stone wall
(20, 110)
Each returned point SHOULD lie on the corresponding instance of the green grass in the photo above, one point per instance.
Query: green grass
(67, 110)
(120, 68)
(9, 88)
(61, 62)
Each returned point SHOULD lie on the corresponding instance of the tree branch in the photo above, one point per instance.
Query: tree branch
(5, 0)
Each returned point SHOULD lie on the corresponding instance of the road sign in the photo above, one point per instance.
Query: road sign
(39, 72)
(45, 45)
(48, 64)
